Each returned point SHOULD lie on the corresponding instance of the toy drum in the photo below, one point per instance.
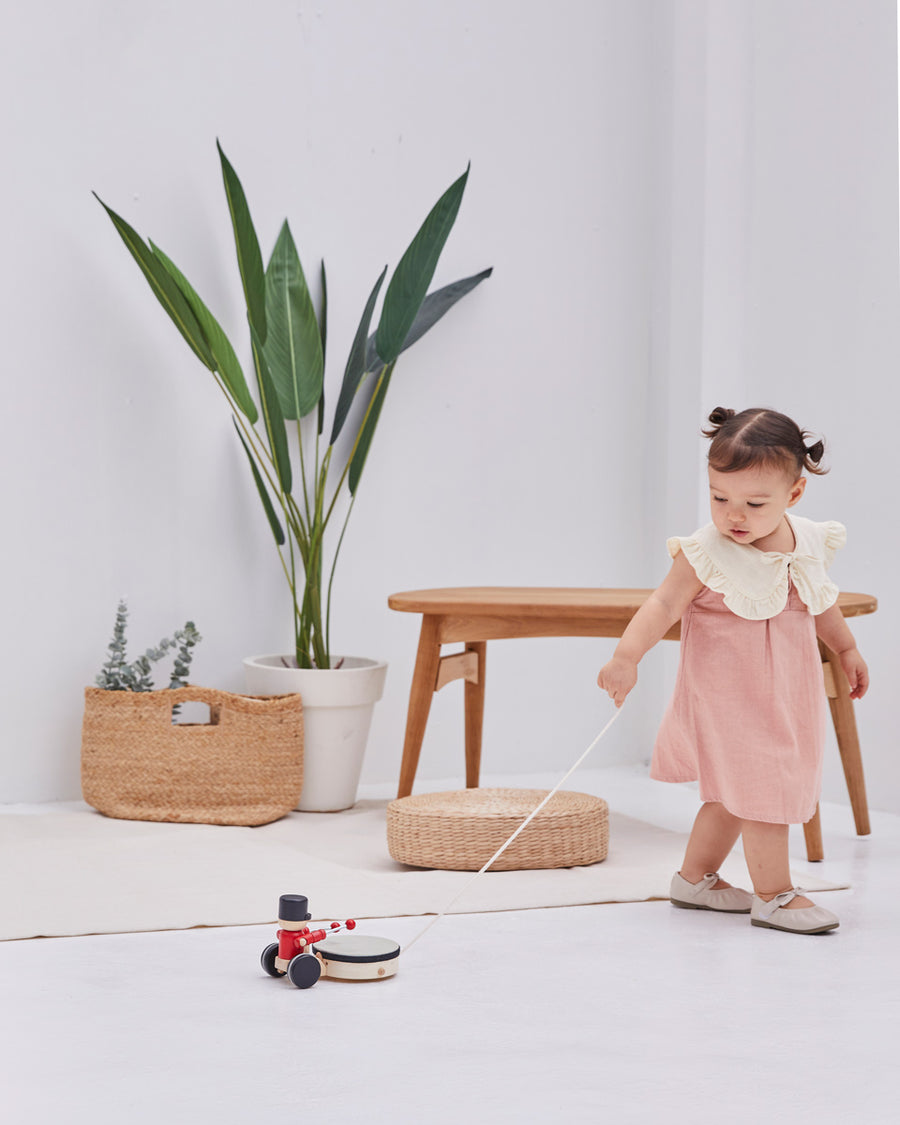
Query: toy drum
(358, 957)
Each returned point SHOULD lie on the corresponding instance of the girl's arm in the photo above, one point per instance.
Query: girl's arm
(649, 625)
(834, 631)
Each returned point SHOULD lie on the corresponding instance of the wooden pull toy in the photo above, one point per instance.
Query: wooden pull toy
(303, 955)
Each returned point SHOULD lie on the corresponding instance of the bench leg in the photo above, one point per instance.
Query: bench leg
(812, 831)
(474, 701)
(420, 694)
(844, 720)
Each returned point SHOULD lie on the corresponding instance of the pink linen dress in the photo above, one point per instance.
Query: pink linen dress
(747, 716)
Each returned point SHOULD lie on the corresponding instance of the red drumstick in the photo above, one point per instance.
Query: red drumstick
(333, 928)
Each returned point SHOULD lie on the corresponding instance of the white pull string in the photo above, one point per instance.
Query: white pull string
(520, 829)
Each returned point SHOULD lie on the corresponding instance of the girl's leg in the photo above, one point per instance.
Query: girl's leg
(766, 852)
(714, 834)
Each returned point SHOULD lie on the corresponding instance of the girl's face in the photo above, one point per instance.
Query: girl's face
(748, 506)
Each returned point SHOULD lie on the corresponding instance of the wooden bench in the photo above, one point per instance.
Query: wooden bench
(474, 615)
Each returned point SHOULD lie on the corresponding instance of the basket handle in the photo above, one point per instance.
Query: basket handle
(191, 693)
(216, 700)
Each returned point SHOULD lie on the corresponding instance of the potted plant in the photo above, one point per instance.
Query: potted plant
(302, 473)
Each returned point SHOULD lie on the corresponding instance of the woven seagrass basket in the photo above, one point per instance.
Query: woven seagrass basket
(244, 767)
(462, 829)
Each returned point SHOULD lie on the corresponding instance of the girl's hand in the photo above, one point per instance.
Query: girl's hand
(617, 678)
(856, 671)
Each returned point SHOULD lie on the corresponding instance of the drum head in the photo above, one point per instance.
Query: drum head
(357, 949)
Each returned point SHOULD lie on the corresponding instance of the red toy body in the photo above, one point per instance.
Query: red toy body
(292, 942)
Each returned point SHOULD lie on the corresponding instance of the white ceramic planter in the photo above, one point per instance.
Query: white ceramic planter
(337, 713)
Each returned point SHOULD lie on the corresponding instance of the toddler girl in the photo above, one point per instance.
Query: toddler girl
(747, 716)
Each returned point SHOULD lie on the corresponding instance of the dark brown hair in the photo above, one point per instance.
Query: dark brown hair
(760, 437)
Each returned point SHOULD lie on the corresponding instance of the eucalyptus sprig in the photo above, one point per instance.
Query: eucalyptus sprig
(282, 428)
(118, 674)
(185, 638)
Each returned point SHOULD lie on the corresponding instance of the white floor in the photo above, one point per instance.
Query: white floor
(627, 1012)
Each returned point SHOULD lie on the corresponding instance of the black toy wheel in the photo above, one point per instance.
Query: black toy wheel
(304, 970)
(268, 960)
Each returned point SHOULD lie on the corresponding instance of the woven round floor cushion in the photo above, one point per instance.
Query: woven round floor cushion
(462, 829)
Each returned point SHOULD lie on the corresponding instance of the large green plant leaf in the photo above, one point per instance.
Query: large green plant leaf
(294, 343)
(368, 429)
(227, 363)
(247, 245)
(167, 292)
(356, 362)
(409, 283)
(271, 516)
(272, 416)
(323, 310)
(323, 331)
(434, 306)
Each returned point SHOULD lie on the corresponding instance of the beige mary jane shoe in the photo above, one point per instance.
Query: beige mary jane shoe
(807, 920)
(701, 896)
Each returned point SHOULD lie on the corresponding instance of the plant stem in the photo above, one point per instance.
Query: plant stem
(334, 560)
(385, 374)
(302, 466)
(256, 445)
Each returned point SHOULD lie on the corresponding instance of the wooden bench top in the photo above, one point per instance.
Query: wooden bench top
(592, 603)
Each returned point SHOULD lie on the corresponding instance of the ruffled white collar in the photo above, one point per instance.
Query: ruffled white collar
(755, 583)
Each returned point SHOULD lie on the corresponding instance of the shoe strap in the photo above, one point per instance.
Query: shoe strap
(778, 901)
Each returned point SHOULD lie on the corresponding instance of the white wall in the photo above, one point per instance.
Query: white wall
(661, 188)
(777, 276)
(822, 304)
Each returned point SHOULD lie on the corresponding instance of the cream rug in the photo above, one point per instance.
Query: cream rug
(68, 870)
